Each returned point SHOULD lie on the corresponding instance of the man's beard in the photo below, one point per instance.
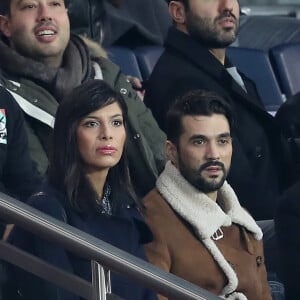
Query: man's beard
(195, 178)
(206, 31)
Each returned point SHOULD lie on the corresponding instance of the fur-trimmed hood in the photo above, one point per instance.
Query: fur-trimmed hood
(95, 49)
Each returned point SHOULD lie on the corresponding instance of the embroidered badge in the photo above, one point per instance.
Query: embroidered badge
(3, 130)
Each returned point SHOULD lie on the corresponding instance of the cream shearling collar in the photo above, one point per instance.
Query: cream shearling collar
(206, 217)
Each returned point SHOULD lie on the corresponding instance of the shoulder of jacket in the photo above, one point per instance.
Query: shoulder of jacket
(154, 200)
(49, 201)
(6, 99)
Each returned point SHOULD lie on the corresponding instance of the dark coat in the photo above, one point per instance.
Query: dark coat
(125, 230)
(257, 156)
(288, 116)
(122, 22)
(18, 174)
(287, 225)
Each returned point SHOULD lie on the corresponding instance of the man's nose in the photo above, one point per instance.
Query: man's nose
(212, 151)
(227, 5)
(44, 13)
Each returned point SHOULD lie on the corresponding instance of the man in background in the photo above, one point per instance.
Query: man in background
(195, 57)
(41, 61)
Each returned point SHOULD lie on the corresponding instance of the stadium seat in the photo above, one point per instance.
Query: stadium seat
(256, 65)
(286, 61)
(261, 32)
(125, 58)
(147, 57)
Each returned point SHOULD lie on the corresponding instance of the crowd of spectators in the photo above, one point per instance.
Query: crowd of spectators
(80, 143)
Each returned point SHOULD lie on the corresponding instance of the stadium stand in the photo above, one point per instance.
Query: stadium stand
(147, 57)
(261, 32)
(126, 59)
(255, 63)
(286, 64)
(261, 52)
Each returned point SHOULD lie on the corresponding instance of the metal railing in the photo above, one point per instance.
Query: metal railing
(89, 247)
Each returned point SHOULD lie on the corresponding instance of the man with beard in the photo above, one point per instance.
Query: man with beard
(195, 57)
(201, 233)
(41, 62)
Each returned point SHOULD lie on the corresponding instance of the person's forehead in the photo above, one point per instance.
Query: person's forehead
(17, 2)
(109, 110)
(205, 125)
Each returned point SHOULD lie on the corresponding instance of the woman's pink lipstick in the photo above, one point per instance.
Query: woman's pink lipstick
(107, 150)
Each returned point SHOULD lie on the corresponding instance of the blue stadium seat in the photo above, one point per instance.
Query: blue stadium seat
(147, 57)
(125, 58)
(286, 60)
(256, 65)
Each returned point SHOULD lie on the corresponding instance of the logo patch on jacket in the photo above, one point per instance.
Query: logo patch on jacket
(3, 130)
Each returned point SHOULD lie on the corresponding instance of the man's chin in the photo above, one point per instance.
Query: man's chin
(209, 186)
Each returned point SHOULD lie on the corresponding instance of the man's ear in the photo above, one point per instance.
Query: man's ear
(172, 153)
(177, 11)
(4, 26)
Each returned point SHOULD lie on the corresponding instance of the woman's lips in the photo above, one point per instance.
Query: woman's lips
(107, 150)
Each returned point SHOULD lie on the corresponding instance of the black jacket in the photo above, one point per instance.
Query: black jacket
(87, 17)
(18, 174)
(129, 23)
(257, 146)
(287, 224)
(125, 229)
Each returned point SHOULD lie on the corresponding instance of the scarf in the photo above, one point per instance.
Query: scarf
(206, 217)
(76, 67)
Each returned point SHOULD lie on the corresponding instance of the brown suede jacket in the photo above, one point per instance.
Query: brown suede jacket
(176, 249)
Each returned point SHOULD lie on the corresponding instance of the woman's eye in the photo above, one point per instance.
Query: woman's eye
(117, 123)
(91, 124)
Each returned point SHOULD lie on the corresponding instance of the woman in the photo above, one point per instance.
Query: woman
(88, 187)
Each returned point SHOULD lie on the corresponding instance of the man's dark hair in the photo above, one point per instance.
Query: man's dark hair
(195, 103)
(5, 7)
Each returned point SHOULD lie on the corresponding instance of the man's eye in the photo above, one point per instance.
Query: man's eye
(56, 4)
(224, 141)
(28, 6)
(199, 142)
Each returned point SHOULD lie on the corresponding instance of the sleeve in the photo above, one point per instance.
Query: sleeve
(287, 224)
(266, 292)
(20, 176)
(146, 141)
(142, 120)
(158, 254)
(29, 285)
(157, 250)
